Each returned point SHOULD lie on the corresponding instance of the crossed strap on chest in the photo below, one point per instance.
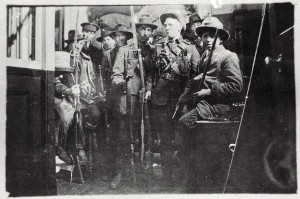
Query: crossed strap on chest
(180, 51)
(173, 54)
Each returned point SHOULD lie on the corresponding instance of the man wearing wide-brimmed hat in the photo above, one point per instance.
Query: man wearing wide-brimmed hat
(106, 39)
(70, 40)
(194, 22)
(126, 77)
(222, 84)
(112, 40)
(177, 61)
(120, 35)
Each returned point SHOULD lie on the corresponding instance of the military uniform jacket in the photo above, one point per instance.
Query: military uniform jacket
(169, 86)
(95, 55)
(223, 77)
(126, 64)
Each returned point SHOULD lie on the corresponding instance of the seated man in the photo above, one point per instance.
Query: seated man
(222, 84)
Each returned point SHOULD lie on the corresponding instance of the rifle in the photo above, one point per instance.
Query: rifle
(76, 103)
(102, 93)
(144, 107)
(207, 64)
(129, 117)
(130, 129)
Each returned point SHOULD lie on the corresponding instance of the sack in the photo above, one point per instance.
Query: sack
(66, 112)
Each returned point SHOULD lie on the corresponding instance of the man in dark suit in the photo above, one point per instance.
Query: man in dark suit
(222, 84)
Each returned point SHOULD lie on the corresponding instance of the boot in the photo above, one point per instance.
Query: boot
(64, 156)
(115, 183)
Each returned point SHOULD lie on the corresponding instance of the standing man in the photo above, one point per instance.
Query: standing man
(96, 54)
(194, 22)
(112, 40)
(126, 77)
(177, 60)
(222, 84)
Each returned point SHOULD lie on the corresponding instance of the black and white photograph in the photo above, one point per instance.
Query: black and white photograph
(149, 98)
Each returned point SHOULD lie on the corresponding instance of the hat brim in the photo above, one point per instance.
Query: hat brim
(72, 40)
(153, 26)
(64, 69)
(128, 34)
(164, 16)
(224, 35)
(100, 39)
(189, 23)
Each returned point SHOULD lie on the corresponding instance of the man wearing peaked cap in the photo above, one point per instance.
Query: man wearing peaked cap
(126, 64)
(88, 32)
(92, 27)
(177, 61)
(222, 85)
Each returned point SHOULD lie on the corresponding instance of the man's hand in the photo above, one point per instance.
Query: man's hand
(148, 95)
(198, 77)
(120, 83)
(175, 68)
(184, 109)
(199, 94)
(75, 90)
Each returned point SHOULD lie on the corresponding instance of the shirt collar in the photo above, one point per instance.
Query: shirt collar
(177, 41)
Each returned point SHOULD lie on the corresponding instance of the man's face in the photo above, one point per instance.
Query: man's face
(121, 39)
(144, 32)
(193, 28)
(108, 43)
(88, 35)
(208, 38)
(172, 27)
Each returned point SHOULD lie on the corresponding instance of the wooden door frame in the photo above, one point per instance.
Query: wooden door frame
(44, 66)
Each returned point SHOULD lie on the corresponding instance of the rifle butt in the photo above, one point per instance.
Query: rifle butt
(78, 167)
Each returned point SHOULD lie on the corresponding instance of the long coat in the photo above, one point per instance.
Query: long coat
(225, 80)
(126, 64)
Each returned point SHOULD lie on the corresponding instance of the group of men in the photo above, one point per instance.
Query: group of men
(109, 85)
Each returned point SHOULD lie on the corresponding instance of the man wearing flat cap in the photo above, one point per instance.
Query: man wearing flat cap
(126, 78)
(222, 85)
(177, 61)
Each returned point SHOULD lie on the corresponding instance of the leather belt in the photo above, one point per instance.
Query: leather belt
(168, 76)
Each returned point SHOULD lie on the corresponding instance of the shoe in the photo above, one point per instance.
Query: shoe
(115, 184)
(64, 156)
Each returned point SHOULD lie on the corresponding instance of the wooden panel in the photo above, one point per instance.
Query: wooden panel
(30, 150)
(212, 155)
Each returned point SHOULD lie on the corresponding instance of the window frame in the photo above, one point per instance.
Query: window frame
(44, 42)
